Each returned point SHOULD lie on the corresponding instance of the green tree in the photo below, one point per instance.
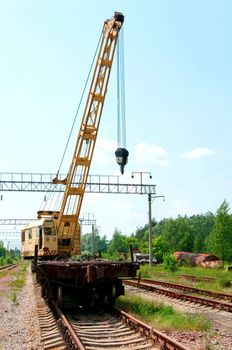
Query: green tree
(100, 243)
(182, 233)
(142, 233)
(178, 233)
(118, 244)
(202, 226)
(160, 247)
(3, 251)
(86, 242)
(170, 263)
(219, 240)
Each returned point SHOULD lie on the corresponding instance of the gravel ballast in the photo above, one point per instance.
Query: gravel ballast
(19, 327)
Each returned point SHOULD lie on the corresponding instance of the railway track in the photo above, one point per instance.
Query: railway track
(116, 329)
(193, 278)
(7, 267)
(102, 329)
(49, 328)
(169, 289)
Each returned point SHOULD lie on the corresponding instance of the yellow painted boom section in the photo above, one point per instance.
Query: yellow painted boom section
(67, 222)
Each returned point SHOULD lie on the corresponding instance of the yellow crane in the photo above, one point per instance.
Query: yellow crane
(57, 233)
(63, 225)
(66, 220)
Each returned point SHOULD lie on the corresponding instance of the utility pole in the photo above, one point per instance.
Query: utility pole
(94, 229)
(92, 245)
(150, 197)
(92, 223)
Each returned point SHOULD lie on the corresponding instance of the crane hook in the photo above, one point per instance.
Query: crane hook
(121, 158)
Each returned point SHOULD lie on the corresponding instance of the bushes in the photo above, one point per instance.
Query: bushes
(8, 259)
(8, 256)
(170, 263)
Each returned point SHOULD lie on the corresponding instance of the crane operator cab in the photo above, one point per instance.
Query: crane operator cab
(42, 233)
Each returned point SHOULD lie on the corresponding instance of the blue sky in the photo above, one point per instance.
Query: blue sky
(178, 77)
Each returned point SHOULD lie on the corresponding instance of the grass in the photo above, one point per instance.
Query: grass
(14, 298)
(18, 281)
(3, 273)
(221, 284)
(161, 316)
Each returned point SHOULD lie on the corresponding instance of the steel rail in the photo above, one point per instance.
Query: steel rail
(210, 293)
(171, 294)
(70, 336)
(197, 278)
(73, 342)
(7, 267)
(164, 341)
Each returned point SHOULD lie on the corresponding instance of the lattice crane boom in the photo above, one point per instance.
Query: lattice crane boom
(67, 218)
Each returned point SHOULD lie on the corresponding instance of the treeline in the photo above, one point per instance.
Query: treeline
(8, 256)
(204, 233)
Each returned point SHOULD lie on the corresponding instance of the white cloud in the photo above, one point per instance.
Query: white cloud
(121, 211)
(104, 150)
(150, 154)
(181, 206)
(197, 153)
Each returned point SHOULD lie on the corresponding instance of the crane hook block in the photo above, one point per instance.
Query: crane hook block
(119, 17)
(122, 158)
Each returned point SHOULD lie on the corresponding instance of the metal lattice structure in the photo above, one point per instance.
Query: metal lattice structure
(35, 182)
(15, 222)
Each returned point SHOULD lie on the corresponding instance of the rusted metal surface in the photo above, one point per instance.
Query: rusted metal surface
(7, 267)
(89, 281)
(71, 338)
(198, 259)
(103, 331)
(112, 330)
(209, 293)
(158, 337)
(197, 278)
(192, 277)
(208, 302)
(94, 269)
(50, 334)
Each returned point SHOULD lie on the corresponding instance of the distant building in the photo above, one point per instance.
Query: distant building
(198, 259)
(143, 258)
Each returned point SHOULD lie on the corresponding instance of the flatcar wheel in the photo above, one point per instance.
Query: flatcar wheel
(44, 291)
(110, 297)
(33, 267)
(59, 296)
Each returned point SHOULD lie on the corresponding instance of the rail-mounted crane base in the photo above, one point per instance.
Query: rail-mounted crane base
(89, 282)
